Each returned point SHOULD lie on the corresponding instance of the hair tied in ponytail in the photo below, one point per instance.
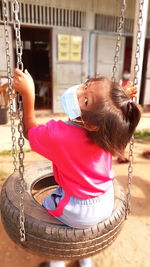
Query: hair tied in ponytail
(129, 105)
(129, 109)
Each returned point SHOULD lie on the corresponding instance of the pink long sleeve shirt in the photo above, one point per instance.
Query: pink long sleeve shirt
(81, 168)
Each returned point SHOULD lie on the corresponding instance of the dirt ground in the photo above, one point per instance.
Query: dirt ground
(131, 248)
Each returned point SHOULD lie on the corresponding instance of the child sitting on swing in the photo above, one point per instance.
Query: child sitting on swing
(102, 120)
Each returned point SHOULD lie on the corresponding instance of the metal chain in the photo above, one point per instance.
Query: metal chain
(130, 177)
(138, 40)
(135, 82)
(10, 91)
(118, 42)
(16, 9)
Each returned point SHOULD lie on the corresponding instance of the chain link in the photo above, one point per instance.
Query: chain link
(138, 41)
(16, 9)
(130, 177)
(10, 91)
(135, 83)
(120, 26)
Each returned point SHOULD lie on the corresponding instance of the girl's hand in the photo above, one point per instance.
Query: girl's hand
(23, 83)
(130, 90)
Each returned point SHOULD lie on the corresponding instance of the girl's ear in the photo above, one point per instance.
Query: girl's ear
(91, 128)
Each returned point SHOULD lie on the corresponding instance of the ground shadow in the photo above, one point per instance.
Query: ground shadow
(140, 206)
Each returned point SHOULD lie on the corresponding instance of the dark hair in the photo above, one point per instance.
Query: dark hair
(116, 117)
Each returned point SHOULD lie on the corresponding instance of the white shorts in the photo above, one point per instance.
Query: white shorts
(82, 213)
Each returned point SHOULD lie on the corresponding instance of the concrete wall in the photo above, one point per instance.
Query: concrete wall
(107, 7)
(3, 63)
(70, 4)
(112, 7)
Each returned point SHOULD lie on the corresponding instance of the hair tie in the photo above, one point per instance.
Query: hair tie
(130, 101)
(129, 107)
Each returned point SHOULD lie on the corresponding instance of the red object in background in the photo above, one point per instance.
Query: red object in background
(124, 83)
(127, 58)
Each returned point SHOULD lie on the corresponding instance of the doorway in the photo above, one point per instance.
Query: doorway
(128, 53)
(37, 59)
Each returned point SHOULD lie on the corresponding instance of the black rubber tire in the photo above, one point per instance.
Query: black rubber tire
(44, 234)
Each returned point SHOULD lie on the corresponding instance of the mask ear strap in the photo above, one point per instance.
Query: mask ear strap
(80, 121)
(91, 128)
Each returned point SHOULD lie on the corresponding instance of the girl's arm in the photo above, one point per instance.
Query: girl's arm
(23, 83)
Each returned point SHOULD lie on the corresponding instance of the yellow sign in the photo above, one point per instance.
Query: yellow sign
(69, 47)
(63, 47)
(76, 48)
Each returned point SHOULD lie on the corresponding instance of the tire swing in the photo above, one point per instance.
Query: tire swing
(24, 219)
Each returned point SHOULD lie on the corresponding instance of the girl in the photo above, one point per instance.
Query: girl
(102, 121)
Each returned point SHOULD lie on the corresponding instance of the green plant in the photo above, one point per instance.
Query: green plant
(141, 134)
(9, 152)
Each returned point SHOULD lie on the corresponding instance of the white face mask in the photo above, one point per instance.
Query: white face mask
(126, 76)
(70, 103)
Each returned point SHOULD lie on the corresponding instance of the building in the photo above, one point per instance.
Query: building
(64, 41)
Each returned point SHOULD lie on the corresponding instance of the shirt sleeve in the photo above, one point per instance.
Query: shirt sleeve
(43, 138)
